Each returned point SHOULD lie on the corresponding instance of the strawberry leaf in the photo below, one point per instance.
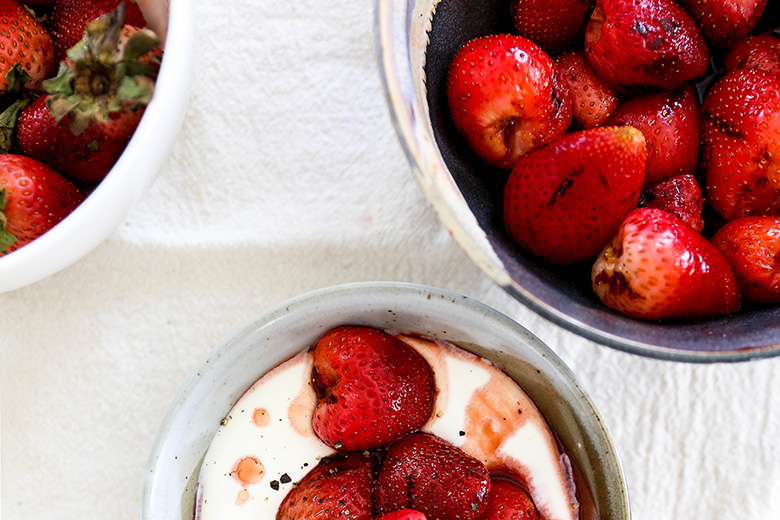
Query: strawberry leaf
(6, 238)
(8, 119)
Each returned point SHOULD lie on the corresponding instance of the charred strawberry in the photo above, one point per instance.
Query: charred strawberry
(760, 52)
(636, 45)
(670, 123)
(95, 103)
(593, 100)
(679, 195)
(372, 388)
(506, 97)
(752, 247)
(509, 501)
(428, 474)
(33, 199)
(554, 25)
(740, 148)
(658, 267)
(69, 19)
(338, 487)
(725, 21)
(26, 42)
(563, 201)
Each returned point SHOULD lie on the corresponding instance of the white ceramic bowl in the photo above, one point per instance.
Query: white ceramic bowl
(105, 208)
(277, 334)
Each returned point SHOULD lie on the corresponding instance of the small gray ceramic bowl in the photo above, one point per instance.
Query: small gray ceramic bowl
(416, 40)
(275, 335)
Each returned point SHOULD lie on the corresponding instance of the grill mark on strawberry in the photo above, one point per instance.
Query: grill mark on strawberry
(722, 125)
(563, 187)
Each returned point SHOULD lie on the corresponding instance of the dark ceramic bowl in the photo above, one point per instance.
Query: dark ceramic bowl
(416, 40)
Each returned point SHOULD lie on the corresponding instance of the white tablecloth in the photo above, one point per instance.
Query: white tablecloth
(287, 177)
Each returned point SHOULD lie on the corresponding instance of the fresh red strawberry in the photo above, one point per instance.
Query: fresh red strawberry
(723, 22)
(33, 199)
(752, 247)
(554, 25)
(24, 41)
(506, 97)
(509, 501)
(679, 195)
(338, 487)
(593, 100)
(640, 44)
(403, 514)
(740, 145)
(80, 130)
(761, 52)
(39, 3)
(372, 388)
(69, 19)
(658, 267)
(428, 474)
(564, 200)
(670, 123)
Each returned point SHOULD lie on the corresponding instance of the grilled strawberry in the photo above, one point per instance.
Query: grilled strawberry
(24, 41)
(69, 19)
(563, 201)
(402, 514)
(425, 473)
(752, 247)
(761, 52)
(33, 199)
(679, 195)
(670, 123)
(338, 487)
(740, 148)
(373, 389)
(509, 501)
(725, 21)
(593, 100)
(95, 104)
(658, 267)
(638, 45)
(506, 97)
(554, 25)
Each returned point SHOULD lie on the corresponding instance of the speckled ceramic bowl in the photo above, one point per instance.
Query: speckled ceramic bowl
(277, 334)
(109, 203)
(416, 40)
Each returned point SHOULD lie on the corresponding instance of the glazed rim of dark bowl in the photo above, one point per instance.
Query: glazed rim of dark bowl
(415, 42)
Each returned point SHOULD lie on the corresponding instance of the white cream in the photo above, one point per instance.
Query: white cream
(477, 407)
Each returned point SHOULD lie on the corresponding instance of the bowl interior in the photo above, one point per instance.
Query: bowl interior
(209, 393)
(467, 196)
(108, 204)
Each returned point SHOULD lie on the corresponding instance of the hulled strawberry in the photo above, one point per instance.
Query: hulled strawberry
(563, 201)
(24, 41)
(69, 19)
(725, 21)
(338, 487)
(637, 45)
(679, 195)
(95, 103)
(506, 97)
(740, 148)
(658, 267)
(752, 247)
(761, 52)
(509, 501)
(33, 199)
(428, 474)
(670, 123)
(593, 100)
(372, 388)
(554, 25)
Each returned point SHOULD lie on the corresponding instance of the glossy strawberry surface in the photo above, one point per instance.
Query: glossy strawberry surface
(24, 41)
(658, 267)
(760, 52)
(563, 201)
(372, 388)
(554, 25)
(679, 195)
(593, 99)
(402, 514)
(724, 22)
(509, 501)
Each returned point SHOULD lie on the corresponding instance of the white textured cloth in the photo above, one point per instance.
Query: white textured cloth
(287, 177)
